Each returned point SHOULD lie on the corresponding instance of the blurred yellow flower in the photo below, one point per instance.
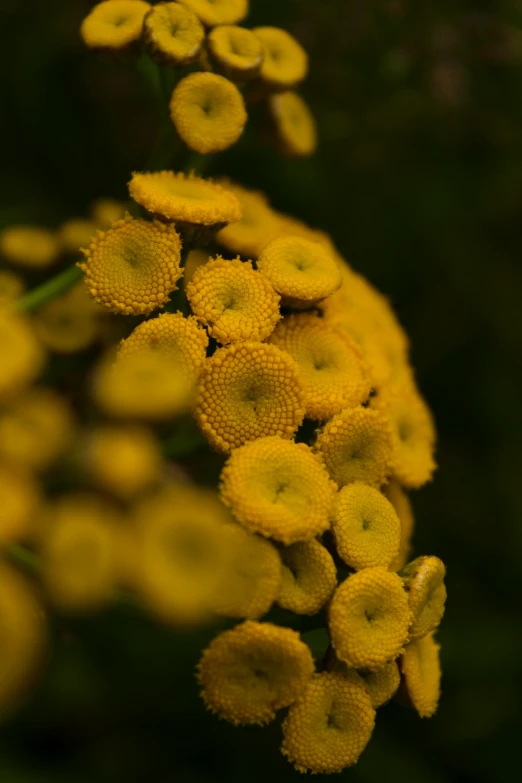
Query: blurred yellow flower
(214, 12)
(29, 246)
(114, 24)
(294, 123)
(257, 226)
(309, 577)
(22, 356)
(106, 211)
(19, 502)
(11, 287)
(68, 323)
(285, 63)
(173, 33)
(76, 233)
(235, 51)
(420, 667)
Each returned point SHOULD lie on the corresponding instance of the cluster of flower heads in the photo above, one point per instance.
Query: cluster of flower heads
(238, 67)
(237, 329)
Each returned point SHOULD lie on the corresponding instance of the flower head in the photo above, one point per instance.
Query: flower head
(134, 266)
(402, 505)
(365, 526)
(173, 33)
(248, 390)
(356, 446)
(236, 51)
(208, 112)
(278, 488)
(114, 24)
(68, 323)
(258, 225)
(285, 63)
(233, 300)
(22, 356)
(329, 726)
(309, 577)
(369, 618)
(20, 499)
(216, 12)
(302, 271)
(331, 369)
(380, 684)
(249, 672)
(424, 582)
(11, 286)
(106, 211)
(420, 667)
(184, 199)
(29, 246)
(294, 122)
(76, 233)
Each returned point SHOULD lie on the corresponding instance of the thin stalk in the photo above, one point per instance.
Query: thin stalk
(59, 284)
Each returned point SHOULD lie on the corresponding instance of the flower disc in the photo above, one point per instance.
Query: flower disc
(294, 122)
(285, 63)
(174, 33)
(114, 24)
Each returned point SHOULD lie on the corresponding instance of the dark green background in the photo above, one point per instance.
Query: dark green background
(419, 181)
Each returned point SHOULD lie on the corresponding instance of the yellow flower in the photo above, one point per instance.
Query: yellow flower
(279, 489)
(249, 672)
(68, 323)
(173, 33)
(36, 429)
(413, 434)
(11, 287)
(76, 233)
(356, 446)
(184, 199)
(253, 578)
(381, 684)
(146, 385)
(331, 369)
(175, 337)
(208, 112)
(423, 579)
(22, 356)
(23, 637)
(236, 51)
(214, 12)
(329, 726)
(106, 211)
(309, 577)
(420, 667)
(402, 505)
(365, 526)
(19, 502)
(259, 224)
(124, 460)
(369, 618)
(285, 63)
(29, 246)
(114, 24)
(248, 390)
(78, 549)
(233, 300)
(303, 272)
(294, 122)
(195, 259)
(133, 267)
(183, 553)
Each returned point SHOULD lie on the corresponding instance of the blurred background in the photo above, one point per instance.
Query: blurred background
(419, 181)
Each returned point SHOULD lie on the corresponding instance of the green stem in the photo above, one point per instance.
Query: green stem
(24, 557)
(49, 290)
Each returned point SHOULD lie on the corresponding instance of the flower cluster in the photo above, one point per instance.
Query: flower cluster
(270, 350)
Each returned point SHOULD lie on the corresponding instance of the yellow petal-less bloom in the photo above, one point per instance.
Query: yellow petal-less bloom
(183, 553)
(248, 390)
(114, 24)
(195, 259)
(23, 637)
(366, 527)
(356, 446)
(249, 672)
(258, 225)
(78, 552)
(402, 505)
(22, 356)
(236, 51)
(106, 211)
(76, 233)
(123, 460)
(173, 33)
(29, 246)
(172, 336)
(424, 582)
(331, 369)
(36, 429)
(420, 666)
(11, 286)
(215, 12)
(413, 435)
(184, 199)
(279, 489)
(328, 727)
(303, 272)
(19, 501)
(253, 578)
(285, 63)
(294, 122)
(369, 618)
(381, 684)
(134, 266)
(208, 112)
(309, 577)
(68, 323)
(233, 301)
